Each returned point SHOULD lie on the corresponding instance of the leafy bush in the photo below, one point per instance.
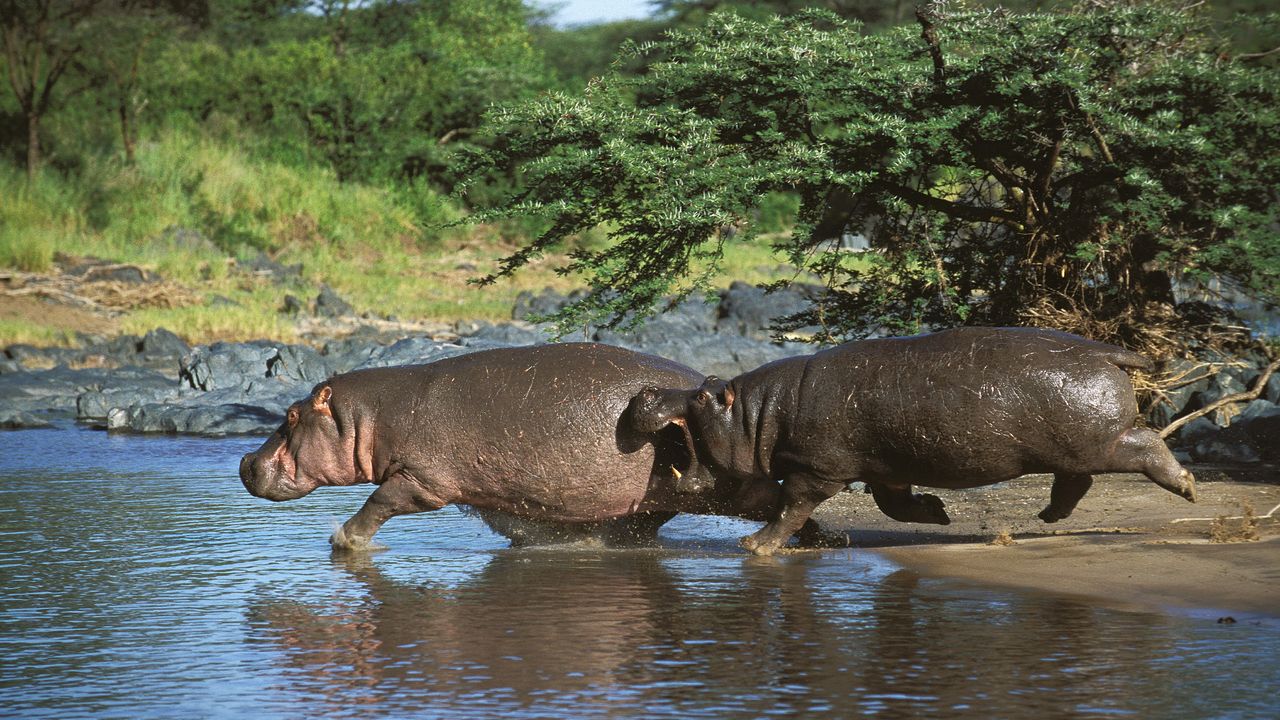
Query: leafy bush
(1058, 169)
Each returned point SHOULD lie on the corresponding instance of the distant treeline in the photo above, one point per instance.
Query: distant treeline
(379, 90)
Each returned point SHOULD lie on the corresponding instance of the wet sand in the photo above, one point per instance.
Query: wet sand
(1129, 543)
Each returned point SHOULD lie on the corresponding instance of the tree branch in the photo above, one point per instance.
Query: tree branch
(930, 36)
(1258, 386)
(954, 209)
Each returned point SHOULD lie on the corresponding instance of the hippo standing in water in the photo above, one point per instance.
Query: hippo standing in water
(955, 409)
(533, 433)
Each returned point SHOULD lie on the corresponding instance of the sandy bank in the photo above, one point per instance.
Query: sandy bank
(1129, 543)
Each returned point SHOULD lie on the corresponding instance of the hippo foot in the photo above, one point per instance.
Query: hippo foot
(1052, 514)
(343, 542)
(1188, 482)
(753, 545)
(813, 536)
(930, 509)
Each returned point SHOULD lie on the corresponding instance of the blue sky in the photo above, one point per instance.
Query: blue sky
(578, 12)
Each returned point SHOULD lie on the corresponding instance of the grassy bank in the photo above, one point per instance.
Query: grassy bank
(194, 209)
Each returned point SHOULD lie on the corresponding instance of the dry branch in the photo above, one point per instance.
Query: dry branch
(1252, 394)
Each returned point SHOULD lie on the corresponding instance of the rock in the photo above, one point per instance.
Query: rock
(32, 357)
(221, 419)
(223, 365)
(689, 319)
(748, 310)
(1262, 426)
(98, 404)
(1228, 447)
(188, 239)
(18, 420)
(264, 266)
(414, 351)
(54, 392)
(330, 304)
(98, 270)
(299, 363)
(162, 347)
(546, 302)
(292, 305)
(505, 334)
(1255, 408)
(1197, 431)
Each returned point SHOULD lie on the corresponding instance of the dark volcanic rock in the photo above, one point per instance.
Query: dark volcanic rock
(299, 363)
(97, 270)
(529, 304)
(18, 420)
(414, 351)
(505, 334)
(196, 419)
(330, 304)
(292, 305)
(162, 347)
(223, 365)
(264, 266)
(748, 310)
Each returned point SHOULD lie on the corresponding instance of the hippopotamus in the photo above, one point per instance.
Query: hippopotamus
(959, 408)
(530, 433)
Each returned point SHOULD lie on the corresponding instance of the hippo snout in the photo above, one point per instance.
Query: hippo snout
(263, 478)
(653, 408)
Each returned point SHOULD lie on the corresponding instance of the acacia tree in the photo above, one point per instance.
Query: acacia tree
(1057, 169)
(41, 39)
(123, 33)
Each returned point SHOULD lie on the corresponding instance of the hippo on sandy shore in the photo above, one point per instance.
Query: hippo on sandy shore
(954, 409)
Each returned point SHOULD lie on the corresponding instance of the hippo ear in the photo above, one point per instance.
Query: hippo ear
(320, 401)
(726, 396)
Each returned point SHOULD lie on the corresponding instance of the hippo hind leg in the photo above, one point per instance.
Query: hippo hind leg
(905, 506)
(1067, 490)
(1142, 450)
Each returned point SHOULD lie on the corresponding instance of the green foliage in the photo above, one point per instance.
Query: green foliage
(1008, 168)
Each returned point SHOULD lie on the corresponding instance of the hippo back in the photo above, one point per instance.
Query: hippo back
(970, 402)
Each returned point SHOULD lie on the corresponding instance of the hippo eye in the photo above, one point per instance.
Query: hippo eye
(292, 417)
(702, 397)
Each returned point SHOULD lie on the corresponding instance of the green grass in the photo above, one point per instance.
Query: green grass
(14, 330)
(193, 206)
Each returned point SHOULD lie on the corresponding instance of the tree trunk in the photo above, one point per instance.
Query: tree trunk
(126, 132)
(33, 144)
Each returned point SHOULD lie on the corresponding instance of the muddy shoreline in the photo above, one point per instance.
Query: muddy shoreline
(1128, 544)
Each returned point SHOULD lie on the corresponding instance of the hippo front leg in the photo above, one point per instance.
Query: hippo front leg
(397, 496)
(759, 499)
(800, 496)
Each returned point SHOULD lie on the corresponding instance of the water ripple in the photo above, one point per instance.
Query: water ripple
(141, 581)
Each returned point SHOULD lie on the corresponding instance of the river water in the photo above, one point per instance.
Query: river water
(140, 580)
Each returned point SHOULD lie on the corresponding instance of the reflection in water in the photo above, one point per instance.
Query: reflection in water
(564, 633)
(138, 580)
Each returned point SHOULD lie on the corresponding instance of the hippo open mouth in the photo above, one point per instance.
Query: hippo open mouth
(680, 459)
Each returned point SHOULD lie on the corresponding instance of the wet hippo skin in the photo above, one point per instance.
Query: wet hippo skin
(954, 409)
(530, 433)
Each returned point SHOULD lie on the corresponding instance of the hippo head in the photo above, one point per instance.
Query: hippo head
(704, 414)
(307, 451)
